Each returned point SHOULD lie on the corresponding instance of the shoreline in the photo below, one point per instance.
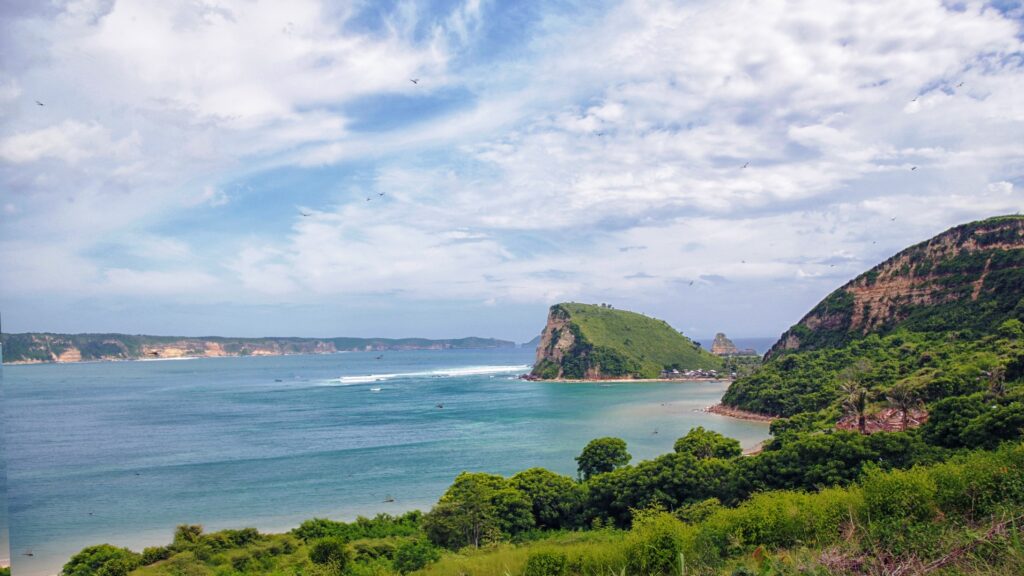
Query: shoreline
(723, 410)
(627, 380)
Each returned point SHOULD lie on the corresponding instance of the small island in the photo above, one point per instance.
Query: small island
(598, 342)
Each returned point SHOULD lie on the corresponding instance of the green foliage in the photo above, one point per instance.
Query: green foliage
(546, 563)
(102, 560)
(556, 500)
(703, 443)
(602, 455)
(331, 552)
(477, 509)
(380, 526)
(655, 545)
(154, 554)
(413, 555)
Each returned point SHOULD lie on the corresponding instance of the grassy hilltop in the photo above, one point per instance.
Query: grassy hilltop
(596, 341)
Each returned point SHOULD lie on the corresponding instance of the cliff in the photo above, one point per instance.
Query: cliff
(966, 279)
(585, 341)
(938, 318)
(35, 347)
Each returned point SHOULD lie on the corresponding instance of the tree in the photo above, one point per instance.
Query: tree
(102, 560)
(555, 499)
(477, 508)
(856, 404)
(703, 443)
(904, 398)
(602, 455)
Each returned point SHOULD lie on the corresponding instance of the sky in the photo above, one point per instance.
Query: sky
(256, 168)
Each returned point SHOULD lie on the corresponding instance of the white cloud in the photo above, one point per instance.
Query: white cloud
(70, 141)
(624, 130)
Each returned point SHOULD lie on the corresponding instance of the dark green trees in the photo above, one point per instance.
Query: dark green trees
(703, 443)
(476, 509)
(602, 455)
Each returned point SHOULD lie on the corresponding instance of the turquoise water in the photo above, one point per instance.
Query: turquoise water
(122, 452)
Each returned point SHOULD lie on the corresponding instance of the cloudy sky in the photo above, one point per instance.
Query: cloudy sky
(247, 167)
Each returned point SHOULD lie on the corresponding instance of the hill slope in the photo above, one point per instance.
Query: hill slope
(36, 347)
(594, 342)
(939, 317)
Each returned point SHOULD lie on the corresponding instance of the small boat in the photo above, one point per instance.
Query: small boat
(375, 389)
(388, 498)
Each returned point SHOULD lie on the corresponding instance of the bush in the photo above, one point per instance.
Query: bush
(102, 560)
(414, 555)
(330, 551)
(656, 544)
(154, 554)
(546, 564)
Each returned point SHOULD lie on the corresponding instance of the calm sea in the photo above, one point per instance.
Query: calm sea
(121, 452)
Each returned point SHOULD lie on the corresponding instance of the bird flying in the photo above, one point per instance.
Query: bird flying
(40, 103)
(414, 80)
(745, 164)
(912, 168)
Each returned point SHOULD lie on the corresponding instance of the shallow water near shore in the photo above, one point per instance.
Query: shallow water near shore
(123, 452)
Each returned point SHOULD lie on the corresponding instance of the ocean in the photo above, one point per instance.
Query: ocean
(122, 452)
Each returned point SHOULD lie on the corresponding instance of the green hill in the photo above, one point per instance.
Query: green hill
(939, 318)
(588, 341)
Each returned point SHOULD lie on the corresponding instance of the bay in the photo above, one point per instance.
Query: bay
(122, 452)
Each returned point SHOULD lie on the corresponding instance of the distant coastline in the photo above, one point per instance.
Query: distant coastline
(50, 348)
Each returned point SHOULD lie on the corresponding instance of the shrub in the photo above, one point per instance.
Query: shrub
(102, 560)
(154, 554)
(414, 555)
(656, 544)
(546, 564)
(330, 551)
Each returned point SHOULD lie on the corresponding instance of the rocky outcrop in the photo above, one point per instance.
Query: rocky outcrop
(722, 346)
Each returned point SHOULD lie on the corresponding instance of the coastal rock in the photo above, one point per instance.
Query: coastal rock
(722, 346)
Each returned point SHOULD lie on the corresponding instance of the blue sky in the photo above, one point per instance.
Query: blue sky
(203, 167)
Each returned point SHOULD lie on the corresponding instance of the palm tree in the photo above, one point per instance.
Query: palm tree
(904, 398)
(856, 404)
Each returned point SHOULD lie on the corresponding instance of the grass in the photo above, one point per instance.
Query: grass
(652, 343)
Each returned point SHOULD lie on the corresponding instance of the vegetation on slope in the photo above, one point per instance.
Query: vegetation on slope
(591, 341)
(938, 319)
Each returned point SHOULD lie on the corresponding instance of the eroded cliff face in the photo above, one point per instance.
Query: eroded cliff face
(556, 340)
(968, 264)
